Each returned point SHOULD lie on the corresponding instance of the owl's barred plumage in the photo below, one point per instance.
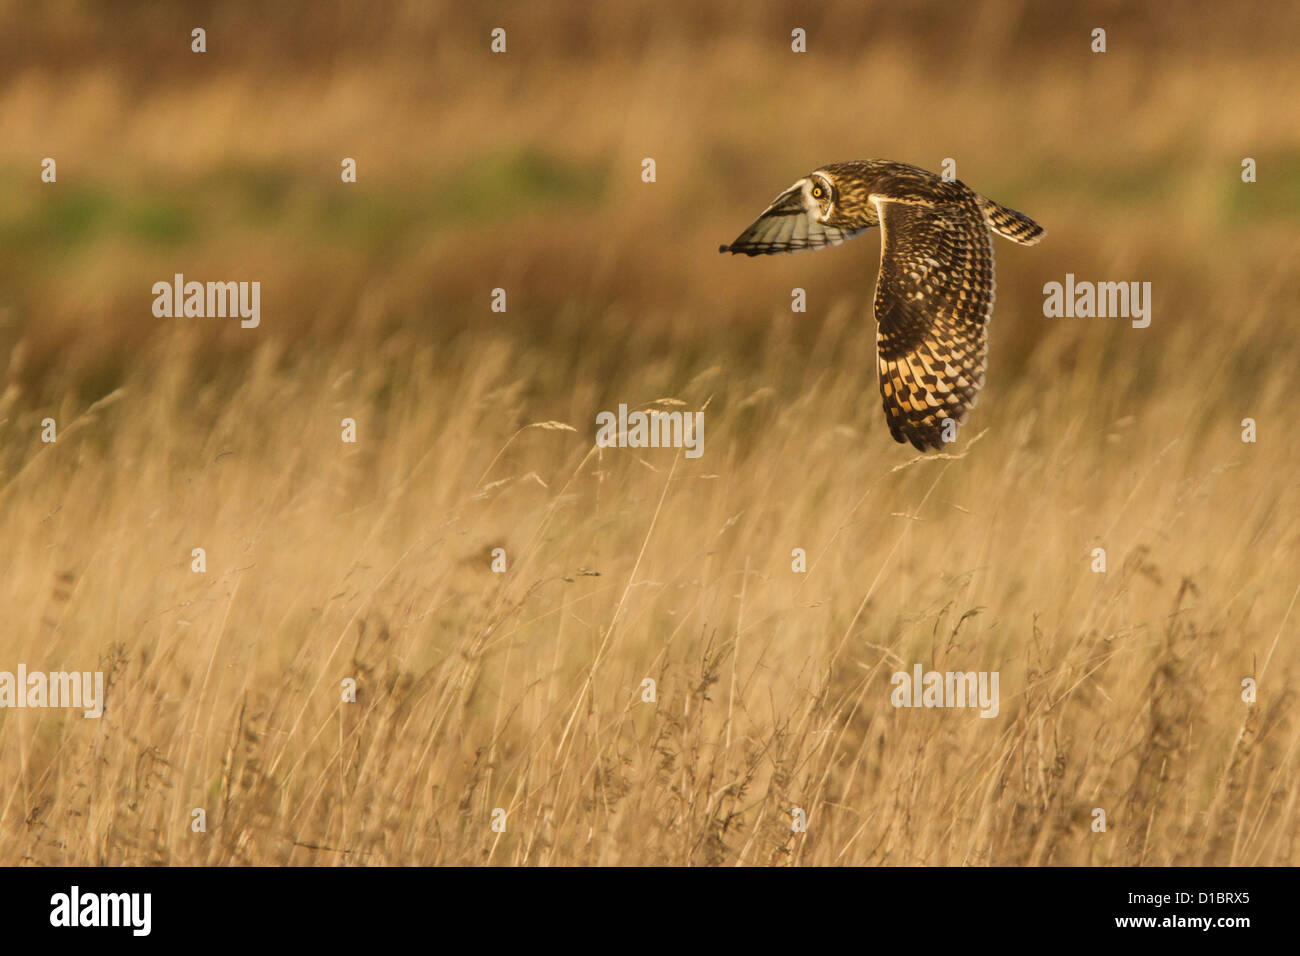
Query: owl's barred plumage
(934, 294)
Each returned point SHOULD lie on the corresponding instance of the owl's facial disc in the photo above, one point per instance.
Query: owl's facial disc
(819, 197)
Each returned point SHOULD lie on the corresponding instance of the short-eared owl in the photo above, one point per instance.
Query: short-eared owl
(934, 294)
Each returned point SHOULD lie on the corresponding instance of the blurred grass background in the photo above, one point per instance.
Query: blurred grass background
(521, 690)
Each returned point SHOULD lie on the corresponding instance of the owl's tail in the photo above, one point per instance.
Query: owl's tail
(1010, 224)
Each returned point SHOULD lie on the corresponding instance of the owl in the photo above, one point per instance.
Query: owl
(934, 294)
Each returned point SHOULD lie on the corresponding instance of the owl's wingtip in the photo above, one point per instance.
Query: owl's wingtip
(724, 248)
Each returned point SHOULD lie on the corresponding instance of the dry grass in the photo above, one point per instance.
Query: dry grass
(523, 690)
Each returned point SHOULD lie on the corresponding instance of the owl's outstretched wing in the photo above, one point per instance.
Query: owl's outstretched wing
(933, 301)
(788, 225)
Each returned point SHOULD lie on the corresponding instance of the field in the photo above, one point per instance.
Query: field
(501, 717)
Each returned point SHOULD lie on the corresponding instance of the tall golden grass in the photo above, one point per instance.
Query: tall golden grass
(523, 691)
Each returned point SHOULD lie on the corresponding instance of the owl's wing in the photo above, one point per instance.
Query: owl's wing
(788, 225)
(933, 302)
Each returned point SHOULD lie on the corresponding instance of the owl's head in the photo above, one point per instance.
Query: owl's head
(839, 200)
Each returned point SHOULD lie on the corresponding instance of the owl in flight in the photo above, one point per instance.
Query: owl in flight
(934, 294)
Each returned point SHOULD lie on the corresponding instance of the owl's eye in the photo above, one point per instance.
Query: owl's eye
(818, 192)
